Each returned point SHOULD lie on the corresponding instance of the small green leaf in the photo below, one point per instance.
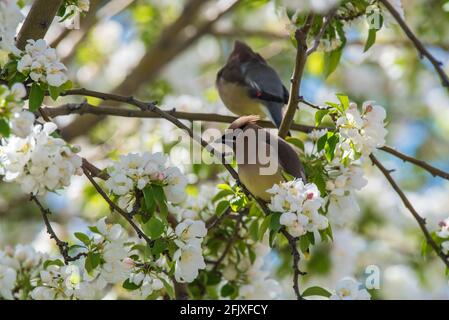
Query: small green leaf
(344, 100)
(296, 142)
(321, 143)
(319, 115)
(160, 245)
(316, 291)
(168, 288)
(227, 290)
(36, 97)
(54, 92)
(154, 227)
(128, 285)
(331, 61)
(330, 146)
(254, 230)
(275, 225)
(161, 200)
(224, 186)
(222, 207)
(370, 40)
(55, 262)
(221, 194)
(92, 261)
(83, 238)
(213, 278)
(5, 131)
(150, 202)
(264, 226)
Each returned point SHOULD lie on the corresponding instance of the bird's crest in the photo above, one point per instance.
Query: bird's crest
(243, 121)
(242, 52)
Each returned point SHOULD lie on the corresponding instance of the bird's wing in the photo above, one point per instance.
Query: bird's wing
(289, 160)
(263, 81)
(264, 84)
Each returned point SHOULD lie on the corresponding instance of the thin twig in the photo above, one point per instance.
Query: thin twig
(116, 208)
(86, 108)
(229, 244)
(317, 40)
(420, 163)
(417, 43)
(421, 221)
(62, 245)
(301, 58)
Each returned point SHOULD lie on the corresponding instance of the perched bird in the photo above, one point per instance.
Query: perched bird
(262, 158)
(249, 86)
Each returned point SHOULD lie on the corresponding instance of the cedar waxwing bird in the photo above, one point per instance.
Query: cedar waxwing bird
(249, 86)
(262, 158)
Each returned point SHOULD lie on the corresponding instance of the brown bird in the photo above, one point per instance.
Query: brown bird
(262, 158)
(249, 86)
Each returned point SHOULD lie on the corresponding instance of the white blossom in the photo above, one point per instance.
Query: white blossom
(39, 162)
(136, 171)
(41, 63)
(299, 205)
(349, 289)
(10, 18)
(189, 260)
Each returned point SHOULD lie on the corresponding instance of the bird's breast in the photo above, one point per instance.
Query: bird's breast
(236, 99)
(257, 183)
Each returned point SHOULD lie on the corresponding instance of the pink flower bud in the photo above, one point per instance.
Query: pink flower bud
(369, 108)
(129, 262)
(310, 196)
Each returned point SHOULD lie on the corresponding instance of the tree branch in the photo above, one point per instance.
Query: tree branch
(301, 58)
(85, 108)
(420, 163)
(421, 221)
(316, 41)
(115, 207)
(62, 245)
(38, 21)
(417, 43)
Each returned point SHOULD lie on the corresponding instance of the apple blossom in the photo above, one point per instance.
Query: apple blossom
(10, 18)
(39, 162)
(299, 205)
(349, 289)
(41, 63)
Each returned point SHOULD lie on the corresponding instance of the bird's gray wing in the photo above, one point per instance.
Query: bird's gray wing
(289, 160)
(264, 84)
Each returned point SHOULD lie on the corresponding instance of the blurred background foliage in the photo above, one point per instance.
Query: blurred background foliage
(166, 51)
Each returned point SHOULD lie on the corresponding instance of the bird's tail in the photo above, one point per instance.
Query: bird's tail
(274, 112)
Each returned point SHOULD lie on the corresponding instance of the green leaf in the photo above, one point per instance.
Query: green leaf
(330, 147)
(221, 208)
(275, 225)
(221, 194)
(128, 285)
(54, 92)
(316, 291)
(224, 186)
(150, 202)
(331, 61)
(370, 40)
(319, 115)
(344, 100)
(213, 278)
(154, 228)
(264, 226)
(161, 200)
(227, 290)
(36, 97)
(237, 203)
(168, 288)
(55, 262)
(92, 261)
(5, 131)
(296, 142)
(254, 230)
(83, 238)
(304, 244)
(321, 143)
(160, 245)
(94, 229)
